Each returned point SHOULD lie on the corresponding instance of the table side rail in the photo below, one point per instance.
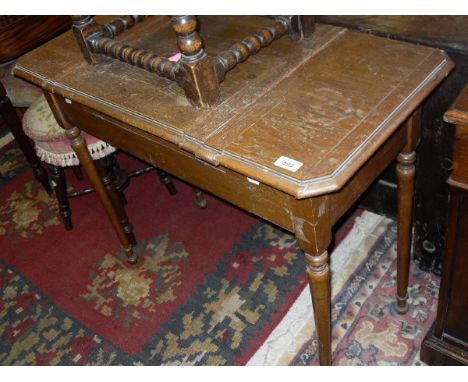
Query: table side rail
(259, 199)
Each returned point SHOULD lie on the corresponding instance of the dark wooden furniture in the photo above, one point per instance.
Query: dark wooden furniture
(197, 72)
(434, 164)
(447, 342)
(18, 34)
(298, 133)
(11, 120)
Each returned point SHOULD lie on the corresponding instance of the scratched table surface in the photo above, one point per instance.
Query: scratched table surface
(326, 104)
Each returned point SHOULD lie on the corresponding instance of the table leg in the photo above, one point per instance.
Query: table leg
(81, 149)
(79, 146)
(313, 235)
(406, 171)
(405, 175)
(105, 168)
(200, 198)
(318, 272)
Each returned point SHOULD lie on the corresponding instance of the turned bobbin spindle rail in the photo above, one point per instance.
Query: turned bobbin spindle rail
(196, 72)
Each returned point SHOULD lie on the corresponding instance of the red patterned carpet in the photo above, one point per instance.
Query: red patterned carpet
(209, 288)
(366, 328)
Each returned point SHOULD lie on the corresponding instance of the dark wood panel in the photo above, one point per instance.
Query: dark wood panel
(18, 34)
(446, 32)
(448, 341)
(457, 311)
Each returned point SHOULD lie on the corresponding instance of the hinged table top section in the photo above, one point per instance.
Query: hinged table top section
(328, 102)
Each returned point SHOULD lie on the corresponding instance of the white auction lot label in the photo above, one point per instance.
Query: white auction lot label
(288, 163)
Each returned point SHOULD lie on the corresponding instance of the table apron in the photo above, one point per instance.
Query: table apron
(260, 199)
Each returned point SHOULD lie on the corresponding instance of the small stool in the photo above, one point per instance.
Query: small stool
(53, 147)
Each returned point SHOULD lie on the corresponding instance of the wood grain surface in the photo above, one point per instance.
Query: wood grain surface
(329, 111)
(339, 106)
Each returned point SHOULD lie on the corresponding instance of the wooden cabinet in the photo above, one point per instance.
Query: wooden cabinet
(447, 342)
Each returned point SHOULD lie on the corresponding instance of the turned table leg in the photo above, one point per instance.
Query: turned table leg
(318, 272)
(79, 146)
(200, 198)
(313, 235)
(105, 167)
(406, 171)
(405, 175)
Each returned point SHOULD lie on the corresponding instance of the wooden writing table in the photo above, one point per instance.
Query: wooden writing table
(342, 104)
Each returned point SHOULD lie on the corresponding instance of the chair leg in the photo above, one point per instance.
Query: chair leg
(167, 181)
(59, 185)
(105, 167)
(7, 112)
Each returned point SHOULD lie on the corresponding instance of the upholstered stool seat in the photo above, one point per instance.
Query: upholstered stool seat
(52, 145)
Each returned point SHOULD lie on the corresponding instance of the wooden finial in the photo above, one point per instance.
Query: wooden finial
(196, 74)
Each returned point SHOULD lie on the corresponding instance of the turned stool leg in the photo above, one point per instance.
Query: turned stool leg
(405, 175)
(105, 167)
(7, 112)
(318, 272)
(59, 185)
(122, 180)
(167, 181)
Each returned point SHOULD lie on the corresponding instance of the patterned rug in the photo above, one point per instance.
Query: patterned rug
(212, 287)
(366, 330)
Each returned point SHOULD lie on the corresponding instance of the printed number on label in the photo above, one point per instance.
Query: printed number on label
(288, 163)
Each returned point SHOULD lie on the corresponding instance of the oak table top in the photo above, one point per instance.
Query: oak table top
(300, 131)
(328, 102)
